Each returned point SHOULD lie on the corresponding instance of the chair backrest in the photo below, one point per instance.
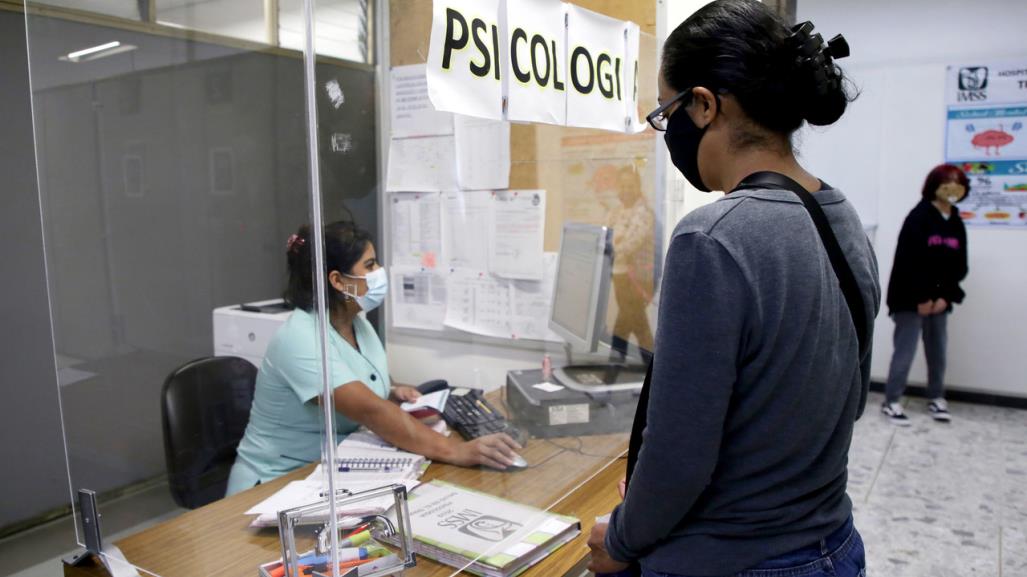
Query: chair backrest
(205, 406)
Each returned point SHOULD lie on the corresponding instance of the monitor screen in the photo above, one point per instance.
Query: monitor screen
(582, 274)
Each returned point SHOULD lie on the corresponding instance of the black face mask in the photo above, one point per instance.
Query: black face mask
(683, 138)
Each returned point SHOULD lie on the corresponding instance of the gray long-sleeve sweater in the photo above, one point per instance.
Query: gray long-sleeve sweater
(755, 389)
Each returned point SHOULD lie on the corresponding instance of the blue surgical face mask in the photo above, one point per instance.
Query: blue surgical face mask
(377, 288)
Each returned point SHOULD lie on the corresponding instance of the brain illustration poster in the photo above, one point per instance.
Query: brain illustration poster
(986, 136)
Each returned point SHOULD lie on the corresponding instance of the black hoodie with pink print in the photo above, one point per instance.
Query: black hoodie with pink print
(930, 259)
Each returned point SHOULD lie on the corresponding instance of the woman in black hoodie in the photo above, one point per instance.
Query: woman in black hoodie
(930, 261)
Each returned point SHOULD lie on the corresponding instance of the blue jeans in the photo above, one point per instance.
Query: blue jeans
(840, 554)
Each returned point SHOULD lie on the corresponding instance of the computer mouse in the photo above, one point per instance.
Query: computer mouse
(518, 463)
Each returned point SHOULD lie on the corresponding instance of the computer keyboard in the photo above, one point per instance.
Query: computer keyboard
(472, 416)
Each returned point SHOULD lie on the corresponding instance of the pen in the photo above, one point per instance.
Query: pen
(483, 406)
(345, 554)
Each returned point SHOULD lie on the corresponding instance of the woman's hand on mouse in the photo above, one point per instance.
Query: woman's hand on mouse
(497, 450)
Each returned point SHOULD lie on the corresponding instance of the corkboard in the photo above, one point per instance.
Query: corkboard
(578, 168)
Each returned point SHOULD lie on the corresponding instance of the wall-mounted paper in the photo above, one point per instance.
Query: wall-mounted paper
(535, 66)
(483, 304)
(533, 302)
(596, 89)
(412, 110)
(425, 164)
(464, 51)
(479, 303)
(416, 229)
(465, 229)
(518, 220)
(482, 153)
(418, 297)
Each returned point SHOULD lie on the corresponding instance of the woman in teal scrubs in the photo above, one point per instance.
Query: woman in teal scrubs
(284, 431)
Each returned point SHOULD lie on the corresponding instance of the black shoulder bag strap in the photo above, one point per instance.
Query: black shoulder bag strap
(846, 279)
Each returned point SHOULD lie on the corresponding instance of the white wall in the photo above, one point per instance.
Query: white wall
(893, 135)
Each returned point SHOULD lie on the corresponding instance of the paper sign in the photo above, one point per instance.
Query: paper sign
(464, 71)
(536, 62)
(596, 90)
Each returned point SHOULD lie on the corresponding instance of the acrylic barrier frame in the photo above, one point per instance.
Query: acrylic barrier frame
(397, 532)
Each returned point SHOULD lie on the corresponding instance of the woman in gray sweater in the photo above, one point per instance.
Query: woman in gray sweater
(759, 370)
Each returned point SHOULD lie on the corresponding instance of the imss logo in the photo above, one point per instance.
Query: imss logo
(973, 84)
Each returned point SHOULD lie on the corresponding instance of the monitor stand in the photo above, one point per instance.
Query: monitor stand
(601, 378)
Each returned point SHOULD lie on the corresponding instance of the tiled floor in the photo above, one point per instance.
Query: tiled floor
(942, 500)
(931, 500)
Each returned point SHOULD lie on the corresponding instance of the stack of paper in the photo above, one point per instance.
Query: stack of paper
(483, 534)
(364, 461)
(310, 490)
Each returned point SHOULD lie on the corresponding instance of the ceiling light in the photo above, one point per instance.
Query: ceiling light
(100, 51)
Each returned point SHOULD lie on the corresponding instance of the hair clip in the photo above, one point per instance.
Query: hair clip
(837, 47)
(818, 55)
(295, 241)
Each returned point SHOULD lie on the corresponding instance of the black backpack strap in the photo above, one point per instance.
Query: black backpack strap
(846, 278)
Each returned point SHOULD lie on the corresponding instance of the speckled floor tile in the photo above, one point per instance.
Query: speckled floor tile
(942, 500)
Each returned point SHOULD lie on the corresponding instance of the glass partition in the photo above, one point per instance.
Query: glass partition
(173, 174)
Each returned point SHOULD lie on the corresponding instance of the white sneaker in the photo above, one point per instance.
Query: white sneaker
(895, 414)
(939, 410)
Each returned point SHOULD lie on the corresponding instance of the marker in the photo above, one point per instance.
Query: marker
(345, 554)
(483, 406)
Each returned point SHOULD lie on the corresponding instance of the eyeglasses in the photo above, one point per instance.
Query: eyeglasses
(658, 118)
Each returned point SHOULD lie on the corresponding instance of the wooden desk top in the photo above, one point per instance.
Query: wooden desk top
(574, 476)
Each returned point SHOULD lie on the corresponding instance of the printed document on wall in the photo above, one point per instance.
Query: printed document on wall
(482, 153)
(532, 303)
(518, 219)
(425, 164)
(412, 110)
(416, 229)
(465, 229)
(479, 303)
(418, 297)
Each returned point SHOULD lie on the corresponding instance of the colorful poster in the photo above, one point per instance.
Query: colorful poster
(985, 120)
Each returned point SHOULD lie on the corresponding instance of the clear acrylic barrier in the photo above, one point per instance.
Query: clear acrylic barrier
(173, 167)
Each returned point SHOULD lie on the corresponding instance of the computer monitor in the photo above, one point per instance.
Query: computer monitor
(582, 289)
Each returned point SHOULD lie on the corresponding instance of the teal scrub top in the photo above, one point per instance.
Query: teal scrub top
(285, 425)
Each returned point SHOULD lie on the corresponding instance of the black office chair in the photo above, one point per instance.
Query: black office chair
(205, 406)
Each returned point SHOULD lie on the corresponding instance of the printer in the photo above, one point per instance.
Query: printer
(245, 330)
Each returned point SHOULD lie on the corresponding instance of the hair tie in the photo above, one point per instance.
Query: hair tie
(294, 243)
